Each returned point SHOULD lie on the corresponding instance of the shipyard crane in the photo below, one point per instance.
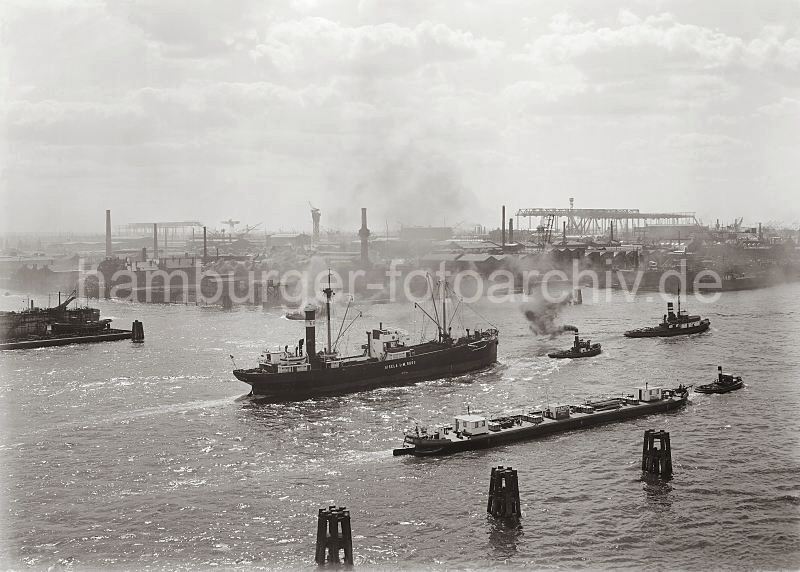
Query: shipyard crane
(248, 229)
(231, 223)
(545, 231)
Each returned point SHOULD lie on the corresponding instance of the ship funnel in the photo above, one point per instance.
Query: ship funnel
(311, 332)
(719, 373)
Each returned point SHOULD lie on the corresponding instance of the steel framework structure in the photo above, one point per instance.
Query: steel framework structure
(598, 221)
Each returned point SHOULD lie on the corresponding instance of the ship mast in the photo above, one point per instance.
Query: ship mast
(328, 295)
(444, 309)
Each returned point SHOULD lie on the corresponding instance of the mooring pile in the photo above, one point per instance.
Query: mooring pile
(657, 460)
(334, 535)
(504, 493)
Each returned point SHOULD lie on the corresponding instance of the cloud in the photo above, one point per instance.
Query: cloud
(645, 45)
(320, 46)
(694, 141)
(785, 108)
(272, 104)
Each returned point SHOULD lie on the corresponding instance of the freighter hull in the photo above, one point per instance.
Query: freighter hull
(435, 361)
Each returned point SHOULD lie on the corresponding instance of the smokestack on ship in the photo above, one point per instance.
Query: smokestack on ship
(511, 231)
(311, 333)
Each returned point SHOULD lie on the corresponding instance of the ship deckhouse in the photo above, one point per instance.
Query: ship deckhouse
(385, 344)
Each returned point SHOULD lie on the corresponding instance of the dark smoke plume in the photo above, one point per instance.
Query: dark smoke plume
(542, 317)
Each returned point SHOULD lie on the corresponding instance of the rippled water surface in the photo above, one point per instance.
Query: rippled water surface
(128, 456)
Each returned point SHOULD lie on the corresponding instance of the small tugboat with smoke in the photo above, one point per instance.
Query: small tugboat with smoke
(723, 384)
(673, 324)
(299, 313)
(580, 349)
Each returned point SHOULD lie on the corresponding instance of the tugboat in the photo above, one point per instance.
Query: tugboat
(673, 324)
(724, 383)
(580, 348)
(299, 313)
(478, 432)
(387, 360)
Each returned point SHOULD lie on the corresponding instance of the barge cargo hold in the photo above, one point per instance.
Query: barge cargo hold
(478, 432)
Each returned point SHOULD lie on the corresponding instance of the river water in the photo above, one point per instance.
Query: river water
(123, 456)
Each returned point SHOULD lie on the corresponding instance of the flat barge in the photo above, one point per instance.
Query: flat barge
(109, 335)
(478, 432)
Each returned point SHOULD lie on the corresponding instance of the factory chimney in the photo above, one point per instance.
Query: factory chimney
(315, 216)
(363, 233)
(760, 236)
(155, 241)
(503, 228)
(108, 234)
(511, 231)
(564, 232)
(205, 246)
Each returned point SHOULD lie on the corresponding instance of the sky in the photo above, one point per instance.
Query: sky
(427, 112)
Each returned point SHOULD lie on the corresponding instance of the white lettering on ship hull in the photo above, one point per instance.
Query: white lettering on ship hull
(400, 364)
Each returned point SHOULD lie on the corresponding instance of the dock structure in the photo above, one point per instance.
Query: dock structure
(657, 460)
(601, 221)
(333, 535)
(504, 493)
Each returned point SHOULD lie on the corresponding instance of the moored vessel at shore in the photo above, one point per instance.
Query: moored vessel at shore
(478, 432)
(387, 359)
(56, 326)
(673, 323)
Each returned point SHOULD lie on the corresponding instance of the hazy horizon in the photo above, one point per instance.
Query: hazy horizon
(421, 112)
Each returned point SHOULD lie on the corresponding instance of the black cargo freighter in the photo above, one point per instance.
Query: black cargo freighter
(472, 431)
(387, 360)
